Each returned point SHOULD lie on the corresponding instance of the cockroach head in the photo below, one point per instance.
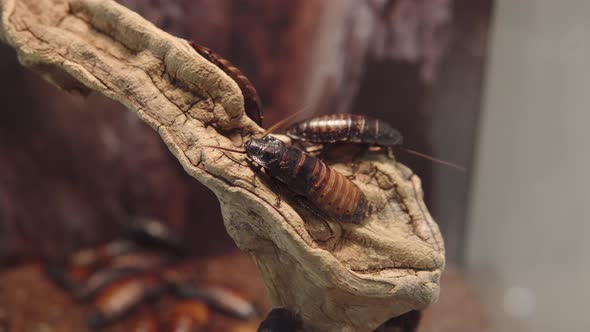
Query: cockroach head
(265, 151)
(390, 136)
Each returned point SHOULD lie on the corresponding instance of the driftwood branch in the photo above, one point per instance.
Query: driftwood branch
(335, 276)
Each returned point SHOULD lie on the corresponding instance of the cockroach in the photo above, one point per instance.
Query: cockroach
(120, 267)
(346, 127)
(280, 320)
(219, 299)
(329, 191)
(85, 281)
(188, 316)
(122, 298)
(354, 128)
(252, 104)
(144, 232)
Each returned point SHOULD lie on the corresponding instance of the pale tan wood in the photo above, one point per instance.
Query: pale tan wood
(337, 277)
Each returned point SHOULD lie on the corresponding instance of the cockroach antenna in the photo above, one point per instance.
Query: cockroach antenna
(285, 120)
(433, 159)
(266, 132)
(224, 149)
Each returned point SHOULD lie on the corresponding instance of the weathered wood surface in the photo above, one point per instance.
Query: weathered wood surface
(337, 277)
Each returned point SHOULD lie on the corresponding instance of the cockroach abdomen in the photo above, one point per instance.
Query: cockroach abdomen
(252, 103)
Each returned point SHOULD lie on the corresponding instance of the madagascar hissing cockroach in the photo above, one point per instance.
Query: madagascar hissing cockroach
(121, 267)
(252, 105)
(81, 266)
(345, 127)
(328, 190)
(308, 176)
(123, 297)
(88, 271)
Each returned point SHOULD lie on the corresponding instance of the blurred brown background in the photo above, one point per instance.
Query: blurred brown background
(73, 170)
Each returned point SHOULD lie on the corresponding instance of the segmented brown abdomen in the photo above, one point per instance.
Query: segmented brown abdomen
(252, 104)
(327, 189)
(336, 194)
(345, 127)
(329, 128)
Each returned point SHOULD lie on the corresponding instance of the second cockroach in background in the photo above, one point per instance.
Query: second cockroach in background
(353, 128)
(346, 127)
(252, 104)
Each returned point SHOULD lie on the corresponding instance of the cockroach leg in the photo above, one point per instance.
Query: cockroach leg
(355, 164)
(277, 190)
(275, 186)
(310, 208)
(389, 152)
(316, 150)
